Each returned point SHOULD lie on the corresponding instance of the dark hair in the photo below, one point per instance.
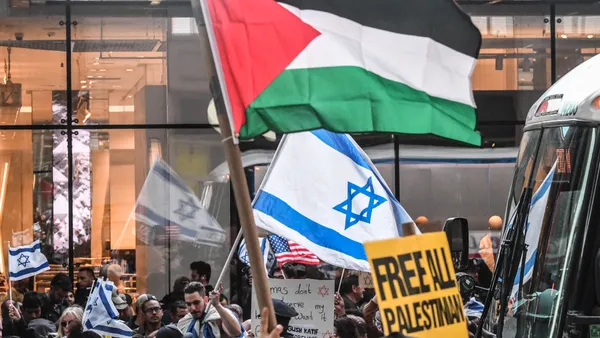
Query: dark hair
(359, 321)
(202, 268)
(180, 283)
(345, 327)
(31, 300)
(128, 299)
(195, 287)
(348, 283)
(177, 305)
(61, 281)
(88, 270)
(222, 297)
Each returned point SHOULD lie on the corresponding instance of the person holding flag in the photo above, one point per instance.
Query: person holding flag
(101, 315)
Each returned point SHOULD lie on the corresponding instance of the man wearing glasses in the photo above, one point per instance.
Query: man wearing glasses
(152, 314)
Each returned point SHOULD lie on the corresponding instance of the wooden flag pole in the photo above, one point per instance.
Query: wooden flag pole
(200, 10)
(244, 207)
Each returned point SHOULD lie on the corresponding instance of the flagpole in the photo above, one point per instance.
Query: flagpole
(236, 243)
(9, 282)
(234, 160)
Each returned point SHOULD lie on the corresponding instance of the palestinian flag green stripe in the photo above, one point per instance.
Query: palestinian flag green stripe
(312, 98)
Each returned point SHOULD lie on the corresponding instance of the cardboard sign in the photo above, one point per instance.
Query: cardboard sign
(313, 301)
(416, 286)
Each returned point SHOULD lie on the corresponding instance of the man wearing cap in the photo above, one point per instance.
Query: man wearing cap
(121, 304)
(137, 320)
(207, 316)
(284, 313)
(152, 314)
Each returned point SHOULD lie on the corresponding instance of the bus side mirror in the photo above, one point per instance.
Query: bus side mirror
(457, 231)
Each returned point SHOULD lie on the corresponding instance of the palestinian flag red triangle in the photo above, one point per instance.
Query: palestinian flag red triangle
(257, 40)
(351, 66)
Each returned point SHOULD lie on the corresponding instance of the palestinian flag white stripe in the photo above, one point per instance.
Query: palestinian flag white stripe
(419, 62)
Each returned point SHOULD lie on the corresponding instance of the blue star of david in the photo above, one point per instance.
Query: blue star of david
(23, 260)
(187, 210)
(364, 215)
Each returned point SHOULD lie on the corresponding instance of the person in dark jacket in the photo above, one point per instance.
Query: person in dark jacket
(175, 296)
(54, 302)
(86, 279)
(14, 322)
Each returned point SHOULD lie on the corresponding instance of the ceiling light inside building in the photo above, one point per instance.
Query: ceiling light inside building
(590, 36)
(563, 36)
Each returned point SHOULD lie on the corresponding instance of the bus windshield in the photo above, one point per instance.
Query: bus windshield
(554, 163)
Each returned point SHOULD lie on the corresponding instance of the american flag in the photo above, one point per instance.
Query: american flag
(287, 251)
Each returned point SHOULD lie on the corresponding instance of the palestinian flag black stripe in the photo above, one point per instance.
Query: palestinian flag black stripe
(401, 66)
(425, 18)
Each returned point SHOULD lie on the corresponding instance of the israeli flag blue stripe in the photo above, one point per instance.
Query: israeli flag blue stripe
(107, 329)
(162, 221)
(166, 175)
(537, 211)
(347, 148)
(27, 248)
(29, 272)
(100, 313)
(26, 261)
(313, 231)
(166, 200)
(106, 304)
(335, 200)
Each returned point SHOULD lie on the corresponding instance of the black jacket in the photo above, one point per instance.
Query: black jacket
(14, 328)
(81, 296)
(52, 311)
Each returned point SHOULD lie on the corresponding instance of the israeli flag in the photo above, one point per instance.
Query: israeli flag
(537, 209)
(265, 249)
(101, 315)
(167, 202)
(322, 192)
(26, 261)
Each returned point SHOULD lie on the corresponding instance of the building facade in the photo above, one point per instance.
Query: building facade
(133, 74)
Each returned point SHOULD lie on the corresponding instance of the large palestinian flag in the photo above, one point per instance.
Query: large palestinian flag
(398, 66)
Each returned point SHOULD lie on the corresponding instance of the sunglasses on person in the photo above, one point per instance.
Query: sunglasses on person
(65, 324)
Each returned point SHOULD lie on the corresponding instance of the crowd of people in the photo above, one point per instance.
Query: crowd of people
(192, 309)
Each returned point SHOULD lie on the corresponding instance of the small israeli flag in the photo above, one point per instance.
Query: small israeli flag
(537, 210)
(265, 248)
(101, 315)
(26, 261)
(334, 202)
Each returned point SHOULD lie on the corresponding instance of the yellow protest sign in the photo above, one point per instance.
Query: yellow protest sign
(416, 286)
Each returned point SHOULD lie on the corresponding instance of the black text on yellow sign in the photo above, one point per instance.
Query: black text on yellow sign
(416, 286)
